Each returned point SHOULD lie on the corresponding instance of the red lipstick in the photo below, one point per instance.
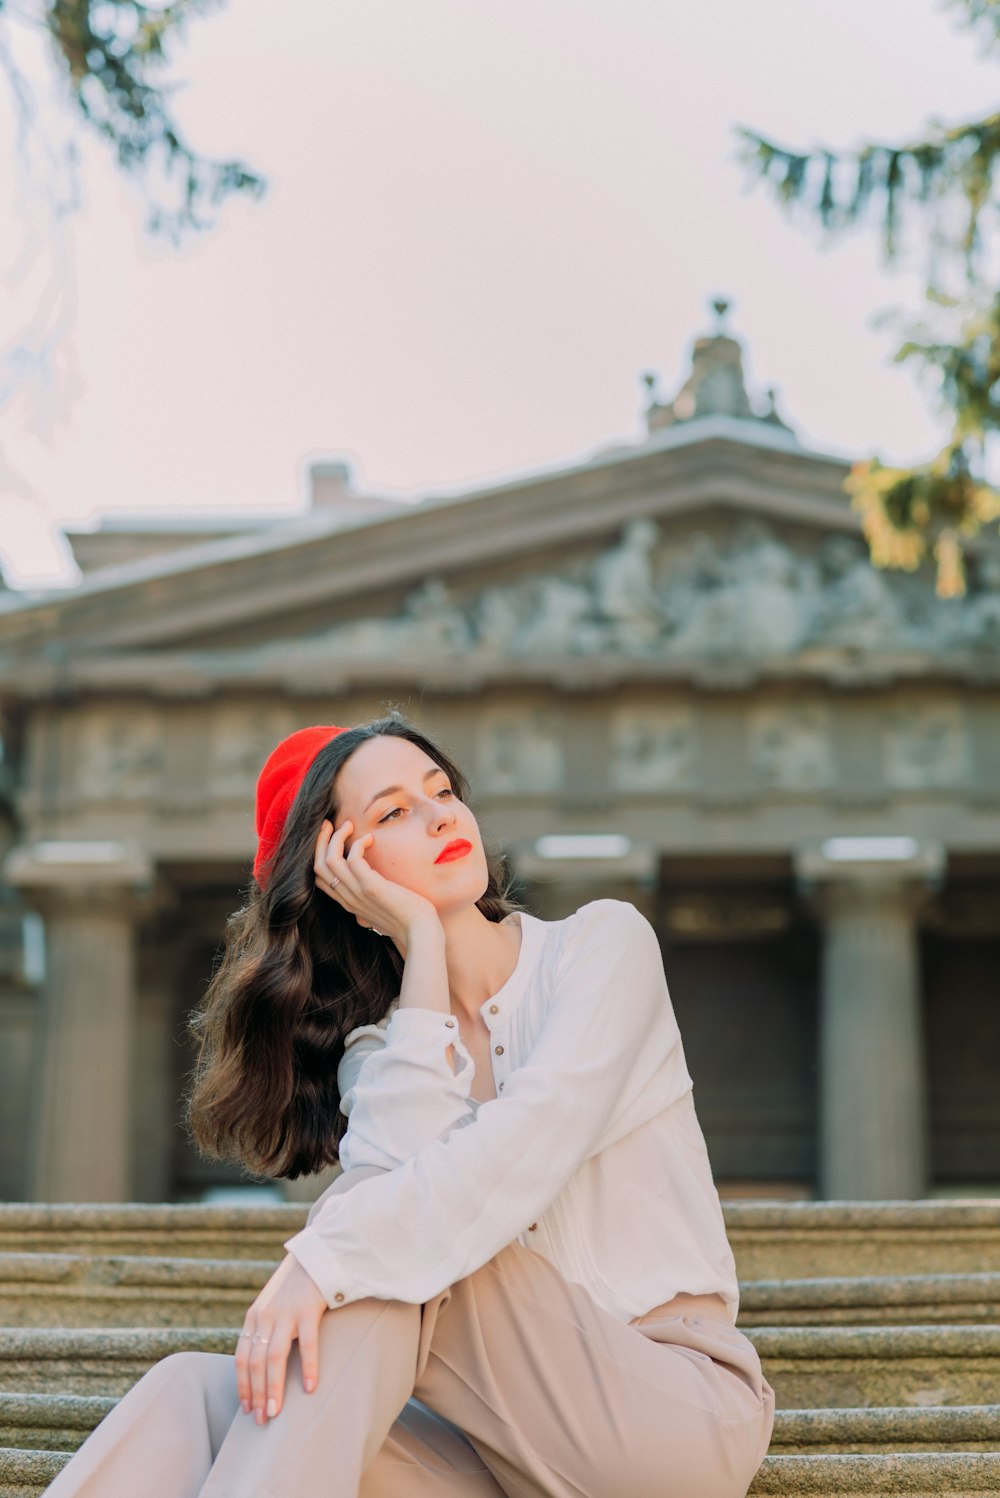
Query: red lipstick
(455, 849)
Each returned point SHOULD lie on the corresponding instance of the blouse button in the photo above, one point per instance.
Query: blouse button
(499, 1050)
(494, 1008)
(339, 1295)
(450, 1022)
(532, 1227)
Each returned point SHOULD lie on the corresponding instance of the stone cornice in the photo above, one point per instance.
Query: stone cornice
(194, 674)
(250, 579)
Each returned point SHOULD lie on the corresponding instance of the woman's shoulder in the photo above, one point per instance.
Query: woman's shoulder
(598, 926)
(604, 915)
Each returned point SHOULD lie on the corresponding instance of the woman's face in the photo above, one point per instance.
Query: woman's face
(392, 789)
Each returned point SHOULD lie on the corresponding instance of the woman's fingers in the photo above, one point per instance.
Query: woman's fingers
(339, 874)
(309, 1352)
(259, 1352)
(329, 855)
(275, 1367)
(334, 869)
(360, 846)
(243, 1368)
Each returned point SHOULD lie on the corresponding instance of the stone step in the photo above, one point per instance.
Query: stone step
(50, 1422)
(805, 1240)
(808, 1367)
(25, 1473)
(877, 1300)
(858, 1432)
(94, 1361)
(140, 1290)
(771, 1240)
(852, 1366)
(62, 1422)
(917, 1475)
(65, 1290)
(251, 1232)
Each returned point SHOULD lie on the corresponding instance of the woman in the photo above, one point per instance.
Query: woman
(521, 1283)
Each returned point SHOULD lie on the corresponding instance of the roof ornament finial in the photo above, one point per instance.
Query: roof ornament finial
(715, 386)
(721, 305)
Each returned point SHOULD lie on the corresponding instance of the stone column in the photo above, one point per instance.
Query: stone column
(873, 1124)
(91, 896)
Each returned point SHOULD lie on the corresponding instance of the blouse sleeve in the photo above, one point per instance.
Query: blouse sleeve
(610, 1028)
(397, 1087)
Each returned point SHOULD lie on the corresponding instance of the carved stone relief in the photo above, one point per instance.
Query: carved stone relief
(652, 748)
(119, 755)
(241, 738)
(790, 746)
(518, 751)
(747, 594)
(926, 746)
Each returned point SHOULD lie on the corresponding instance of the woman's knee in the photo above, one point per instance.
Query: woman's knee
(202, 1368)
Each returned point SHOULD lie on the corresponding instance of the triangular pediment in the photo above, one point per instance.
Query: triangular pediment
(715, 557)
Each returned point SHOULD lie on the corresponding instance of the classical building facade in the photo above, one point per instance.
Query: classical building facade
(672, 675)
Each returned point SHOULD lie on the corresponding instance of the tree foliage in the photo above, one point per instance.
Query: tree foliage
(944, 186)
(111, 55)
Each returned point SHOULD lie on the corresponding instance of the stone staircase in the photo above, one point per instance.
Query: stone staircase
(878, 1325)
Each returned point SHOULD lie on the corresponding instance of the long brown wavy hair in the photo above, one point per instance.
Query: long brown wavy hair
(296, 975)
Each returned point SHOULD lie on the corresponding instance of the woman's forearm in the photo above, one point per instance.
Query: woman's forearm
(425, 974)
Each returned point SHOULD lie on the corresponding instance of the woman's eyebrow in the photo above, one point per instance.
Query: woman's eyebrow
(392, 789)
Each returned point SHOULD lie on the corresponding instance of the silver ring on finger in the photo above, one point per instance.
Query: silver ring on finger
(260, 1339)
(377, 931)
(335, 881)
(242, 1335)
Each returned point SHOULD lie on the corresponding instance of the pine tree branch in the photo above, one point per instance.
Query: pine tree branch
(908, 514)
(838, 188)
(982, 13)
(109, 54)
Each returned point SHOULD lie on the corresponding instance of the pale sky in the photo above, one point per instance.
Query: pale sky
(483, 223)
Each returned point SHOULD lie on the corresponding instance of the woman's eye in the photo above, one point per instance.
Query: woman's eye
(390, 816)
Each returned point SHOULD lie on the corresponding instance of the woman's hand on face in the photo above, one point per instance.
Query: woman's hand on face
(376, 901)
(290, 1306)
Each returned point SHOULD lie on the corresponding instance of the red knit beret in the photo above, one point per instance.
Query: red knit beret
(278, 784)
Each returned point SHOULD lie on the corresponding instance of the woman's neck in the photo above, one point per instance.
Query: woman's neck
(480, 956)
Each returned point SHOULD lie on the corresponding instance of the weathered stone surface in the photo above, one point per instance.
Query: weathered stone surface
(61, 1422)
(63, 1290)
(869, 1402)
(809, 1367)
(771, 1240)
(95, 1361)
(25, 1473)
(137, 1228)
(146, 1290)
(859, 1432)
(800, 1240)
(958, 1299)
(817, 1367)
(915, 1475)
(50, 1422)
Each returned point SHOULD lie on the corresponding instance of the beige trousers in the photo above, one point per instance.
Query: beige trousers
(512, 1381)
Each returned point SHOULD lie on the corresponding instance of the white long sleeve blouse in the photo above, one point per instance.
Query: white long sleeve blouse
(591, 1153)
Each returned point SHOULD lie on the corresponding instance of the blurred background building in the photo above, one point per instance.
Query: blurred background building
(673, 676)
